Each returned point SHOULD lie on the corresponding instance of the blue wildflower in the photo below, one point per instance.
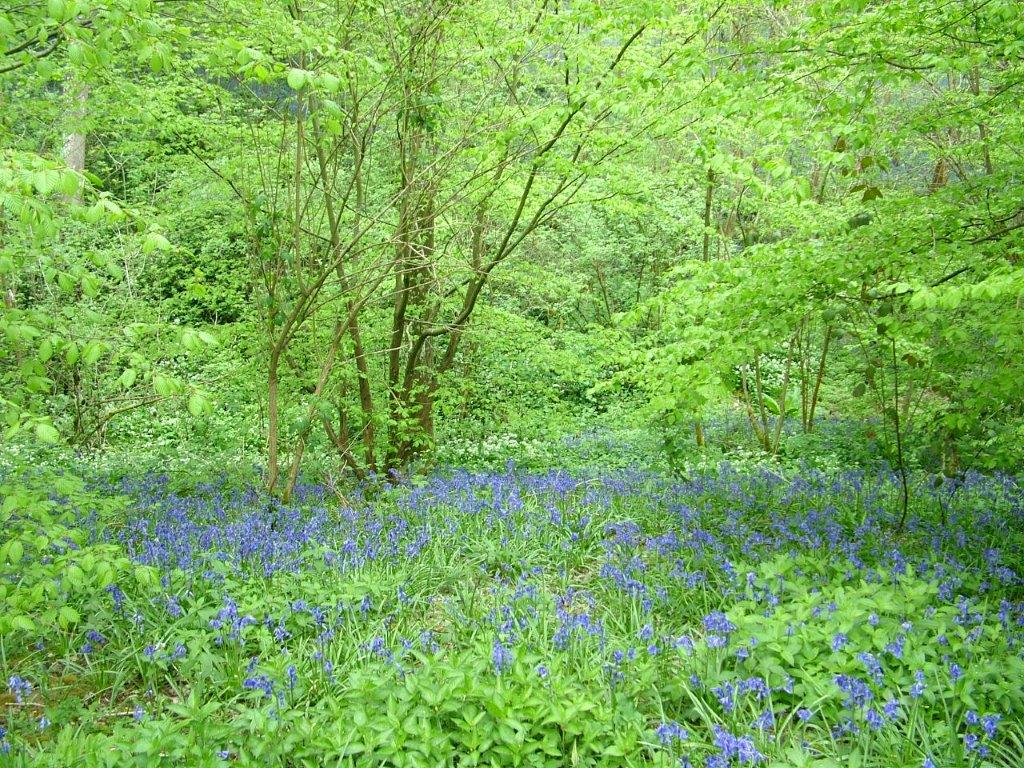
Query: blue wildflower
(19, 687)
(501, 656)
(671, 732)
(741, 748)
(917, 689)
(989, 724)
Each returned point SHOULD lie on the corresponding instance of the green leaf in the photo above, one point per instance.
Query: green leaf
(162, 385)
(67, 616)
(128, 377)
(90, 285)
(23, 622)
(297, 79)
(46, 181)
(47, 433)
(155, 241)
(330, 82)
(197, 404)
(15, 551)
(69, 183)
(66, 282)
(92, 352)
(74, 575)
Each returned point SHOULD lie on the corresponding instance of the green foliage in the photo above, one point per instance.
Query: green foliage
(596, 590)
(52, 574)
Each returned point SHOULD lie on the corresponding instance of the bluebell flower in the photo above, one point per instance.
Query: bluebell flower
(173, 608)
(718, 622)
(858, 694)
(765, 721)
(741, 748)
(755, 685)
(260, 683)
(873, 666)
(726, 694)
(115, 592)
(19, 687)
(501, 656)
(917, 689)
(895, 648)
(873, 719)
(989, 723)
(670, 732)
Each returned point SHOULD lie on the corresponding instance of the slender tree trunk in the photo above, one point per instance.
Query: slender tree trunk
(803, 346)
(709, 196)
(760, 404)
(818, 379)
(749, 406)
(74, 140)
(975, 83)
(901, 463)
(782, 400)
(300, 441)
(273, 422)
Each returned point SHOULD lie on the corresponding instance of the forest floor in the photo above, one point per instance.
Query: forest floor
(514, 618)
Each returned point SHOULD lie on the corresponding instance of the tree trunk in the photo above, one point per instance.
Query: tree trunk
(74, 140)
(709, 196)
(273, 421)
(782, 400)
(818, 378)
